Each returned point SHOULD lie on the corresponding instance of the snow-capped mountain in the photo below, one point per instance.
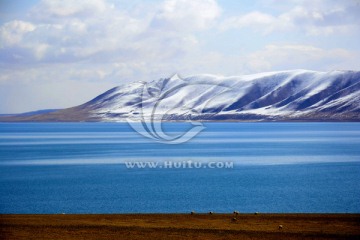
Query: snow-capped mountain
(274, 96)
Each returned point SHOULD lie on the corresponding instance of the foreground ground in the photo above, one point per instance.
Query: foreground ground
(180, 226)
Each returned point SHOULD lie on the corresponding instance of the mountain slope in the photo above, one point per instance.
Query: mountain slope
(275, 96)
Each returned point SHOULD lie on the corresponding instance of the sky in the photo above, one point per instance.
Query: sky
(57, 54)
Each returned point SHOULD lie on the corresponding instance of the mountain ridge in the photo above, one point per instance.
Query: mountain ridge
(293, 95)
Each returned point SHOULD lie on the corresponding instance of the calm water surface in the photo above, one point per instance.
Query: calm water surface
(278, 167)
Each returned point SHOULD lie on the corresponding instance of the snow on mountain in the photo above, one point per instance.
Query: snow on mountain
(273, 96)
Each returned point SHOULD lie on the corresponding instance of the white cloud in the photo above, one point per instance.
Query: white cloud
(53, 9)
(257, 21)
(248, 19)
(279, 57)
(186, 15)
(65, 31)
(312, 17)
(69, 31)
(275, 57)
(55, 86)
(12, 33)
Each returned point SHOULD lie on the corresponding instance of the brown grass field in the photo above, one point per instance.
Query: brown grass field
(180, 226)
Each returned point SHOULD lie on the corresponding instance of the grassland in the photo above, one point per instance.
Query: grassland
(180, 226)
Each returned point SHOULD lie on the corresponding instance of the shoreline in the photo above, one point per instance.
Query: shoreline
(180, 226)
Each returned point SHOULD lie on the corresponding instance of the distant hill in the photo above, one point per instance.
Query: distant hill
(297, 95)
(26, 114)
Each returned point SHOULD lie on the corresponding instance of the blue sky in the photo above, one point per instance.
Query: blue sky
(57, 54)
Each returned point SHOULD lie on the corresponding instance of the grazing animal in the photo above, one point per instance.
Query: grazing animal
(280, 227)
(233, 219)
(211, 213)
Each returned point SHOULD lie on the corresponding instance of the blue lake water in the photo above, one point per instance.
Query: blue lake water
(277, 167)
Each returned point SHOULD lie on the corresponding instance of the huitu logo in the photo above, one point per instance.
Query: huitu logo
(155, 108)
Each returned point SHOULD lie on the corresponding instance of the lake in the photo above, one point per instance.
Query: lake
(84, 168)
